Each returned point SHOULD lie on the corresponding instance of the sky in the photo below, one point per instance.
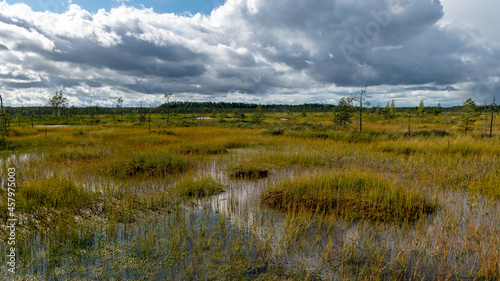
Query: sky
(258, 51)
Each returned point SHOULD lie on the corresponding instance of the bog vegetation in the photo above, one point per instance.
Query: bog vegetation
(253, 194)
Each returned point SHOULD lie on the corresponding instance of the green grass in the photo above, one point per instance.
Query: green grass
(76, 154)
(198, 187)
(21, 132)
(52, 193)
(150, 165)
(353, 195)
(133, 172)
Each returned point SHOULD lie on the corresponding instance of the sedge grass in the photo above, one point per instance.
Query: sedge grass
(53, 193)
(460, 241)
(248, 172)
(352, 195)
(147, 165)
(197, 188)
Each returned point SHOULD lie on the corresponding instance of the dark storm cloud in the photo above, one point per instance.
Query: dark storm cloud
(430, 88)
(252, 47)
(357, 43)
(12, 76)
(132, 56)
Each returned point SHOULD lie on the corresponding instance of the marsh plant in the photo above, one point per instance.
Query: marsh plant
(263, 199)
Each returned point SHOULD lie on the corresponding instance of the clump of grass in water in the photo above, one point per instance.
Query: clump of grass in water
(250, 172)
(198, 187)
(52, 193)
(150, 165)
(202, 149)
(352, 195)
(76, 154)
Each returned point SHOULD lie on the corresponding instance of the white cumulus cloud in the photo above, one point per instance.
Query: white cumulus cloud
(264, 50)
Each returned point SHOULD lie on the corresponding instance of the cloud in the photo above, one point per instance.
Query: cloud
(265, 50)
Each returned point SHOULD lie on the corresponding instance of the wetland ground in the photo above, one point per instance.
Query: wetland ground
(283, 199)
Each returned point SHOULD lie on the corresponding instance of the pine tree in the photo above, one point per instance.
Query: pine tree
(120, 106)
(420, 109)
(387, 110)
(377, 111)
(392, 110)
(437, 110)
(344, 111)
(58, 101)
(468, 116)
(408, 112)
(258, 116)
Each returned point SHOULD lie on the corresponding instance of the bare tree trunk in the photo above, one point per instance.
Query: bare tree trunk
(492, 116)
(466, 124)
(361, 112)
(149, 121)
(168, 113)
(409, 124)
(485, 117)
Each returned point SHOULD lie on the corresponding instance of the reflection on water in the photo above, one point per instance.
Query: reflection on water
(17, 159)
(234, 236)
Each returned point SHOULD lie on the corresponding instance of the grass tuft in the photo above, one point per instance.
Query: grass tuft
(202, 149)
(150, 165)
(76, 154)
(432, 133)
(167, 133)
(198, 187)
(248, 172)
(79, 132)
(52, 193)
(352, 195)
(274, 131)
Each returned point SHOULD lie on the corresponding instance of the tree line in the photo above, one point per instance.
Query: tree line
(355, 105)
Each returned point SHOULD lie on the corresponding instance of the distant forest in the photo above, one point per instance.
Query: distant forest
(201, 108)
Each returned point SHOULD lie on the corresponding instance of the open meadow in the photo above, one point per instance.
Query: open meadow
(285, 197)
